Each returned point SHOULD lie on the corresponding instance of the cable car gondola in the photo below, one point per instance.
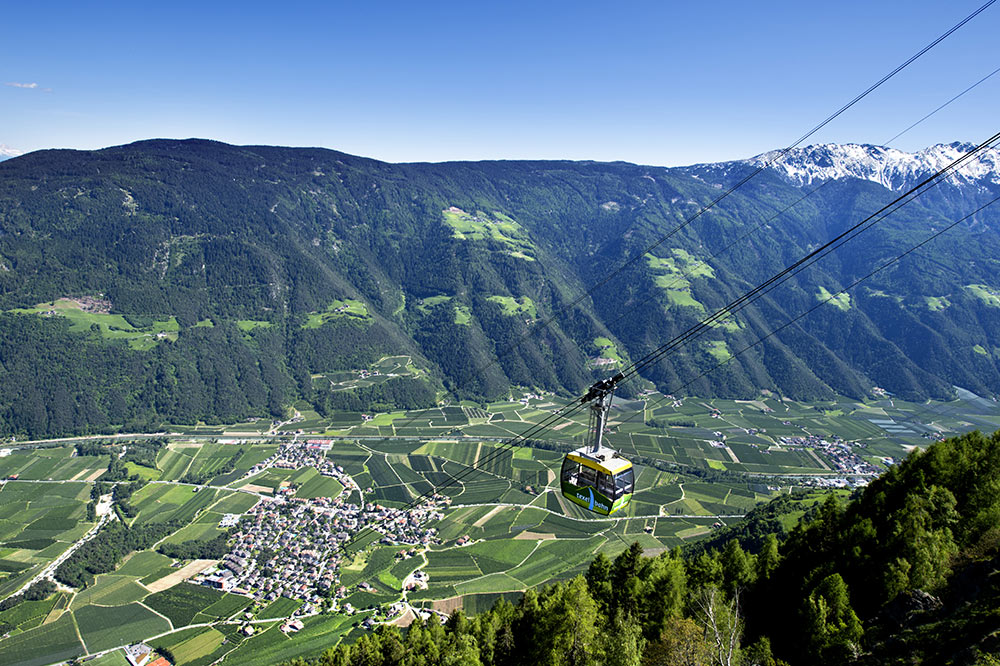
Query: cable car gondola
(595, 477)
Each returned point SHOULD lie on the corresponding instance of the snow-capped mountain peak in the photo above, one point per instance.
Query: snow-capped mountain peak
(889, 167)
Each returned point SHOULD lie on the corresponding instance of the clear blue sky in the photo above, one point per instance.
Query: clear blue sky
(660, 82)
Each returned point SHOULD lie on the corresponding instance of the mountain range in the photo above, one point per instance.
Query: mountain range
(193, 280)
(890, 168)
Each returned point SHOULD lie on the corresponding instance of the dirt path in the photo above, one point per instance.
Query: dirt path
(533, 536)
(180, 575)
(482, 521)
(818, 460)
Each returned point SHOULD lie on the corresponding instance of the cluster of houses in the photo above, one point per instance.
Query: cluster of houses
(290, 546)
(141, 654)
(843, 457)
(312, 453)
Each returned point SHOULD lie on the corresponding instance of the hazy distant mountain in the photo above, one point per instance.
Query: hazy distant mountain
(248, 277)
(6, 152)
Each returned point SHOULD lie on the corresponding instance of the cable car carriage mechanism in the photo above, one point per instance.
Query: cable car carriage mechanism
(595, 477)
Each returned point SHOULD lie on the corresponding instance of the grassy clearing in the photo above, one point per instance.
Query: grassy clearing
(110, 326)
(495, 227)
(718, 350)
(937, 303)
(988, 295)
(345, 309)
(425, 304)
(247, 325)
(463, 315)
(511, 306)
(841, 301)
(606, 348)
(673, 275)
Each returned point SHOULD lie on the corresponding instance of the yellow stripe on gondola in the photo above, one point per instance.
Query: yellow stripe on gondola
(613, 466)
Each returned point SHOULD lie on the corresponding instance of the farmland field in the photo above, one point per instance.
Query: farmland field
(43, 645)
(317, 485)
(182, 602)
(272, 646)
(699, 463)
(104, 627)
(197, 646)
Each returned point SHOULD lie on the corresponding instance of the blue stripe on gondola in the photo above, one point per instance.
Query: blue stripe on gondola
(591, 507)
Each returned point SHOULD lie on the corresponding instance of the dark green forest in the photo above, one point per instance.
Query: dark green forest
(906, 572)
(246, 250)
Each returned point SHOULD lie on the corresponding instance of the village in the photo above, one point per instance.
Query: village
(294, 547)
(844, 457)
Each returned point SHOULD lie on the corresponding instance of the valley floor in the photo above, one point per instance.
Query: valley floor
(322, 529)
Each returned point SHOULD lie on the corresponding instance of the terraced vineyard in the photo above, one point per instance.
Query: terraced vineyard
(504, 527)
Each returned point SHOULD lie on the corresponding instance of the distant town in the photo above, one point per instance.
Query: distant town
(294, 547)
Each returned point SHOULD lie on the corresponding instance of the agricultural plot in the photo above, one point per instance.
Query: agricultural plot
(280, 607)
(182, 602)
(37, 523)
(51, 464)
(110, 590)
(272, 647)
(234, 503)
(106, 627)
(210, 458)
(204, 529)
(42, 645)
(198, 646)
(162, 502)
(555, 559)
(317, 485)
(173, 462)
(116, 658)
(29, 614)
(226, 607)
(174, 638)
(274, 478)
(142, 563)
(367, 565)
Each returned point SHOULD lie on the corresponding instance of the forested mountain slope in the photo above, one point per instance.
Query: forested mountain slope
(216, 282)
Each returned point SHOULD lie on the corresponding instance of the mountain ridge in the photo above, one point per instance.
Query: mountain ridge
(892, 168)
(309, 262)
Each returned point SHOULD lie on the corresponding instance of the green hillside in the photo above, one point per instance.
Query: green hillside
(194, 281)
